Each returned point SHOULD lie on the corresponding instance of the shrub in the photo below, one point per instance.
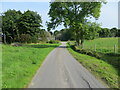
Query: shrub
(34, 40)
(24, 38)
(53, 41)
(87, 52)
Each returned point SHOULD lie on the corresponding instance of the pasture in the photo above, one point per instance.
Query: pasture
(103, 45)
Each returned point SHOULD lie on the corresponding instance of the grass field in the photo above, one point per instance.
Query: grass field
(103, 45)
(104, 71)
(107, 66)
(21, 63)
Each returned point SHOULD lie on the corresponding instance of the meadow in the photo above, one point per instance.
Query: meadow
(103, 45)
(19, 64)
(106, 67)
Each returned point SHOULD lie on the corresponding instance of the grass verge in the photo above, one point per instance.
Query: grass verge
(101, 69)
(21, 63)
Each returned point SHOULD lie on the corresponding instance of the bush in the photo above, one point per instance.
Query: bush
(24, 38)
(34, 40)
(53, 41)
(87, 52)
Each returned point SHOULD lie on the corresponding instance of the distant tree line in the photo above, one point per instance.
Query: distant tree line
(22, 27)
(75, 18)
(96, 32)
(106, 32)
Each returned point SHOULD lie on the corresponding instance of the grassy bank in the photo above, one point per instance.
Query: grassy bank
(101, 69)
(21, 63)
(106, 68)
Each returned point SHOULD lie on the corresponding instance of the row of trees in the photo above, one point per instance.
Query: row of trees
(106, 32)
(22, 27)
(67, 34)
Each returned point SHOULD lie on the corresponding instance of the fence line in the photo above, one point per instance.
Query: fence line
(94, 48)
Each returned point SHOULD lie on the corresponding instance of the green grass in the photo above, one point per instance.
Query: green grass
(105, 49)
(103, 70)
(107, 67)
(21, 63)
(104, 45)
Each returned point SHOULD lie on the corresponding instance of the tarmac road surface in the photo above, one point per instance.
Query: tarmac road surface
(61, 70)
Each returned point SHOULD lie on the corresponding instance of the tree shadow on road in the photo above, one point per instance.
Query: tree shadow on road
(62, 47)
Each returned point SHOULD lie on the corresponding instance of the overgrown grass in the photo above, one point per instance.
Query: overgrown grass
(100, 68)
(105, 50)
(21, 63)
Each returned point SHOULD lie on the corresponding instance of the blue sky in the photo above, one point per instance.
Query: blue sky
(108, 18)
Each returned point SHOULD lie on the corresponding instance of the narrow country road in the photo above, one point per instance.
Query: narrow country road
(61, 70)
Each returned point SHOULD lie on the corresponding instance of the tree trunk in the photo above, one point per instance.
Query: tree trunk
(77, 41)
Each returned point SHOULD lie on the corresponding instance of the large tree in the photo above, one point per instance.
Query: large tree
(30, 23)
(17, 25)
(10, 24)
(113, 32)
(104, 32)
(92, 30)
(73, 15)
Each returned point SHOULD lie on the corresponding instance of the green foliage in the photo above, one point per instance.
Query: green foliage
(29, 23)
(24, 38)
(92, 32)
(73, 15)
(114, 32)
(21, 63)
(64, 35)
(103, 45)
(87, 52)
(15, 24)
(105, 32)
(10, 24)
(53, 41)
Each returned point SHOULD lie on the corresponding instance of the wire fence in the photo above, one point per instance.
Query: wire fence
(102, 49)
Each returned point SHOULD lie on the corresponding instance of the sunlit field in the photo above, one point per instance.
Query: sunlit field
(21, 63)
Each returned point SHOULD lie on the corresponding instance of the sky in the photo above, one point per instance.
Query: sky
(107, 19)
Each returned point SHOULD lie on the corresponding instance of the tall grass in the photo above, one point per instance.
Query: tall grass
(21, 63)
(101, 69)
(107, 66)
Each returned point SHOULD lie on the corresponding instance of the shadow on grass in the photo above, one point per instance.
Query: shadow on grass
(46, 46)
(42, 46)
(110, 58)
(62, 47)
(114, 60)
